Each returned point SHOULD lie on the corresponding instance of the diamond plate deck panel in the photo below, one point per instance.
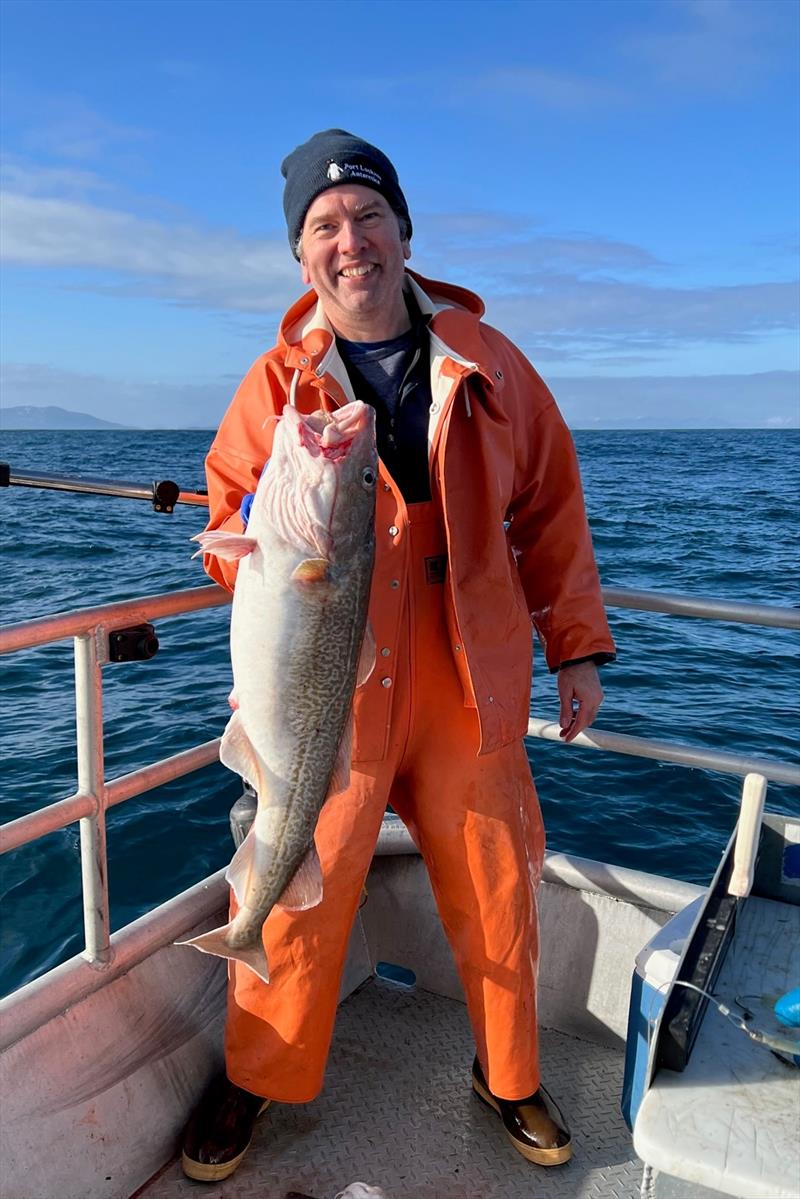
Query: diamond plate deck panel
(398, 1112)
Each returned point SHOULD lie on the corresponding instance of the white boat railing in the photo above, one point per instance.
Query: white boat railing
(91, 628)
(707, 607)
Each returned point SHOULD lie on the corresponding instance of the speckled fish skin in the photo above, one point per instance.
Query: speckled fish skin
(298, 622)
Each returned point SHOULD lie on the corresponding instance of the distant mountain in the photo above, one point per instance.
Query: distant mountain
(29, 416)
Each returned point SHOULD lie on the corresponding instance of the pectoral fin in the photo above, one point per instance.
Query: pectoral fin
(230, 546)
(312, 570)
(304, 890)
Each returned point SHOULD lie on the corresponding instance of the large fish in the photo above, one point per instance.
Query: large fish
(300, 644)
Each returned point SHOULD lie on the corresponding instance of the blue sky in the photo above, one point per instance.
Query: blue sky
(619, 180)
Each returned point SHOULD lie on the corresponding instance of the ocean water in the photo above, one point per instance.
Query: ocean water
(706, 513)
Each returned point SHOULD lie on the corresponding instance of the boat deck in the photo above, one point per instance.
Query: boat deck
(398, 1112)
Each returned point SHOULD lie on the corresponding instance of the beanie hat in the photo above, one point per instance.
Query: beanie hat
(330, 159)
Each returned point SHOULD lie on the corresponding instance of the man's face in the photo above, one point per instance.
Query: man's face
(353, 257)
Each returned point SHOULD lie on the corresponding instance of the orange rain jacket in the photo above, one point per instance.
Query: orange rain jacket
(503, 464)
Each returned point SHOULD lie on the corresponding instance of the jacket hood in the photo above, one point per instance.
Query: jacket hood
(448, 295)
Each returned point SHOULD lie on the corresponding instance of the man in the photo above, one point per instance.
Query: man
(480, 529)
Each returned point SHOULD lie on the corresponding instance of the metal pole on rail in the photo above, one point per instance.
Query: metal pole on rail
(675, 752)
(707, 607)
(163, 495)
(91, 782)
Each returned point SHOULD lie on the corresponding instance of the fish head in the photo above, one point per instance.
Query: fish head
(346, 442)
(319, 491)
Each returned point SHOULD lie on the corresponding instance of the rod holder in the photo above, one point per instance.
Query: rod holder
(165, 496)
(135, 644)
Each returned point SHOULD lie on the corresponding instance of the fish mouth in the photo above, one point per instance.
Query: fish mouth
(331, 434)
(317, 421)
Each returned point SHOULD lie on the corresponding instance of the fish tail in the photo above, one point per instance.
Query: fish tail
(216, 942)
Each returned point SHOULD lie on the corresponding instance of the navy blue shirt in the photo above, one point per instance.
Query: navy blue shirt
(394, 377)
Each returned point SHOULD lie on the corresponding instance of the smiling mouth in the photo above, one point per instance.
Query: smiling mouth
(358, 272)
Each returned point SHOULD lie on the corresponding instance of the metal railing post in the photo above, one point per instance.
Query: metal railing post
(91, 782)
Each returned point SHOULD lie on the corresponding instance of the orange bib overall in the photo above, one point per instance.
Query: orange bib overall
(477, 824)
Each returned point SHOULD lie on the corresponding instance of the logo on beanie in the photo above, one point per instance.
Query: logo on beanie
(353, 170)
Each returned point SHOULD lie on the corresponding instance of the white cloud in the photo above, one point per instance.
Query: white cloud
(506, 84)
(666, 48)
(723, 47)
(512, 243)
(212, 267)
(64, 126)
(589, 298)
(563, 90)
(20, 178)
(596, 300)
(575, 296)
(565, 312)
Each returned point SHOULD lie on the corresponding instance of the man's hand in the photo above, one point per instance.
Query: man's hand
(581, 696)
